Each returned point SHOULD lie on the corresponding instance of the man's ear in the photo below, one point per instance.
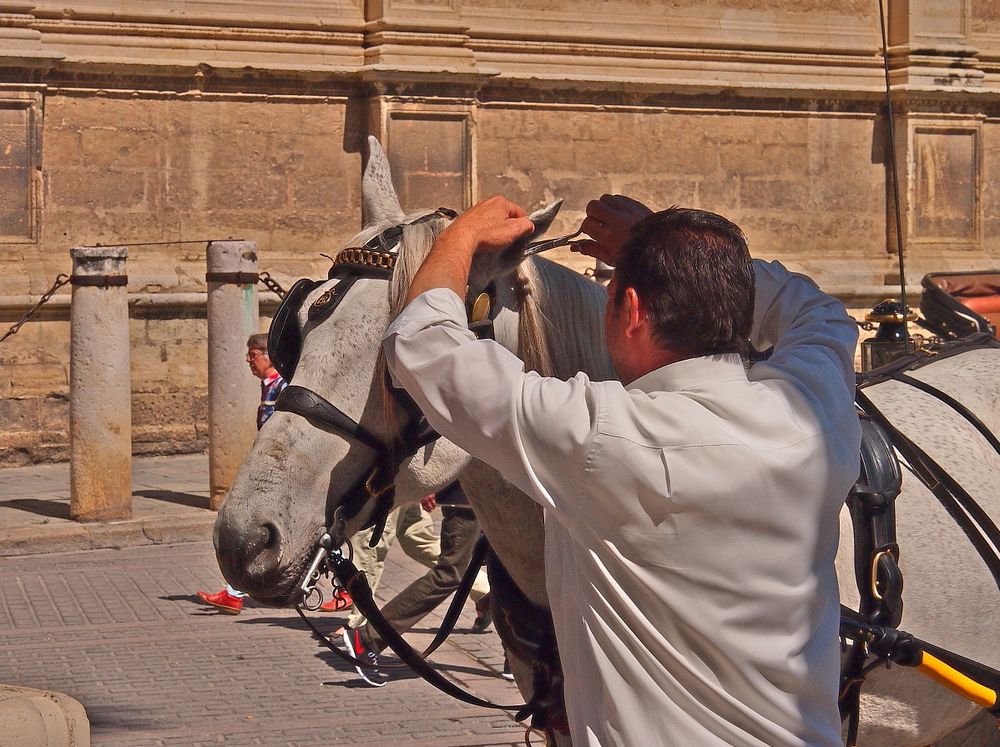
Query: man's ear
(635, 312)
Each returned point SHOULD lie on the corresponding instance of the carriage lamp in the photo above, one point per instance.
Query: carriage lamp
(890, 339)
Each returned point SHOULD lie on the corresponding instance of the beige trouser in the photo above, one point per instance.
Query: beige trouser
(414, 528)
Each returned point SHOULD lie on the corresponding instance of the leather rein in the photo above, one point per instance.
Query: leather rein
(376, 260)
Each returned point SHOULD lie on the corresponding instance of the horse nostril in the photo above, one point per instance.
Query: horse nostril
(270, 537)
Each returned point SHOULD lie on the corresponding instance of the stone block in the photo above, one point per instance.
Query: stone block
(62, 148)
(492, 155)
(121, 149)
(236, 190)
(597, 157)
(96, 189)
(84, 112)
(774, 194)
(40, 718)
(29, 378)
(554, 153)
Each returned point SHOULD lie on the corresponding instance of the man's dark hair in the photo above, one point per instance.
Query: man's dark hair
(693, 272)
(257, 342)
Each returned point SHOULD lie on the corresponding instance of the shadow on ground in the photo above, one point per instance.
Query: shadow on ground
(172, 496)
(52, 509)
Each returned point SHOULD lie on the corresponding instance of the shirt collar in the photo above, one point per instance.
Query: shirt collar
(271, 379)
(692, 373)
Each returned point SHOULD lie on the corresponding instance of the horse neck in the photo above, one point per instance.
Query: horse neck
(570, 309)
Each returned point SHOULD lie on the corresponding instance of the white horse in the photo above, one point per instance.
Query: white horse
(551, 317)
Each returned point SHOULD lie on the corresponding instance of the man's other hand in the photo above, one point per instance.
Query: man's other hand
(428, 502)
(609, 223)
(489, 226)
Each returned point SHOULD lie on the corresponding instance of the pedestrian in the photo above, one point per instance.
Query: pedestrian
(691, 508)
(230, 599)
(413, 527)
(459, 531)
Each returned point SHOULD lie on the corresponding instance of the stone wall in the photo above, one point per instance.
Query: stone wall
(183, 122)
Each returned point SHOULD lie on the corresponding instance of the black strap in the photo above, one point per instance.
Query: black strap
(357, 585)
(479, 553)
(323, 414)
(961, 506)
(954, 404)
(233, 278)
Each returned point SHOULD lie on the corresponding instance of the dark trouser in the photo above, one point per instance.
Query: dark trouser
(459, 530)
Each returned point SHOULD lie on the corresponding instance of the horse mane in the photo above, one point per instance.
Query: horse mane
(560, 327)
(415, 245)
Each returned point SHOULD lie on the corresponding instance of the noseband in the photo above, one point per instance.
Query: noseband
(374, 260)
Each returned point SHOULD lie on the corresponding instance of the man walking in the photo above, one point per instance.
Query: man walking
(692, 508)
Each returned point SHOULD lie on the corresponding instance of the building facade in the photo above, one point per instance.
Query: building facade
(149, 124)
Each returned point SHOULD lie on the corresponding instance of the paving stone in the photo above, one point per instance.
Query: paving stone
(121, 631)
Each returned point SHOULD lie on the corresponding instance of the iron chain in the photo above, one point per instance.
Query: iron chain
(271, 284)
(61, 280)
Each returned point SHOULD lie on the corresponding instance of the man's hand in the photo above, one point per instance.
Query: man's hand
(489, 226)
(609, 223)
(428, 502)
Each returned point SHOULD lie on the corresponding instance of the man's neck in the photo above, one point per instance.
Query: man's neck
(269, 373)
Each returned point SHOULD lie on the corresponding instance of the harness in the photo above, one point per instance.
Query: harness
(376, 259)
(872, 629)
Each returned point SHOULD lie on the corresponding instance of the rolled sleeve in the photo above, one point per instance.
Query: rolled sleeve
(477, 394)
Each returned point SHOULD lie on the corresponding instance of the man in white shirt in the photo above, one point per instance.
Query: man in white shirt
(690, 509)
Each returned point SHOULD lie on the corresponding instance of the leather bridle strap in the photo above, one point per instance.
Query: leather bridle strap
(357, 585)
(324, 415)
(479, 552)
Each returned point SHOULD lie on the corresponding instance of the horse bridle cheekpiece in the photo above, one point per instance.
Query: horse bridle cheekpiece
(376, 259)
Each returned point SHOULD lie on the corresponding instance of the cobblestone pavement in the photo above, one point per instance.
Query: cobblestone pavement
(121, 631)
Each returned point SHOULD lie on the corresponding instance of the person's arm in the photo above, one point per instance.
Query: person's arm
(477, 393)
(814, 339)
(535, 431)
(490, 226)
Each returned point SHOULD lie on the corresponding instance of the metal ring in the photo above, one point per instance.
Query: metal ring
(372, 493)
(878, 556)
(313, 607)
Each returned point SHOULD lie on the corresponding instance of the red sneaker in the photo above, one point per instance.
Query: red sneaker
(223, 600)
(340, 601)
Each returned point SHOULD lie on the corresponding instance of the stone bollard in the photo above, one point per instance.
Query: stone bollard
(233, 391)
(100, 386)
(40, 718)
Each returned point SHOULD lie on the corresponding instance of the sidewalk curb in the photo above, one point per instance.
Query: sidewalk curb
(155, 530)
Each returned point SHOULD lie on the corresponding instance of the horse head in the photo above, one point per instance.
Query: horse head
(326, 341)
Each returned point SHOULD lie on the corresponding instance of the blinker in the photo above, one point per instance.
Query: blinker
(320, 304)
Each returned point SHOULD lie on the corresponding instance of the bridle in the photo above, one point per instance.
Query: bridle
(375, 259)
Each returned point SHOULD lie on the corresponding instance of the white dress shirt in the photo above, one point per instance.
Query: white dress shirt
(691, 517)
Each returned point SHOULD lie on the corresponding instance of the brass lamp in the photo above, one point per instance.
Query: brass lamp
(890, 340)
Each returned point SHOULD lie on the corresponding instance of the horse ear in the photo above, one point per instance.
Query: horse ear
(379, 201)
(542, 219)
(486, 267)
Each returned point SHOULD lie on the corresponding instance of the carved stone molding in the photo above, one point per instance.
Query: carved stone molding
(940, 170)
